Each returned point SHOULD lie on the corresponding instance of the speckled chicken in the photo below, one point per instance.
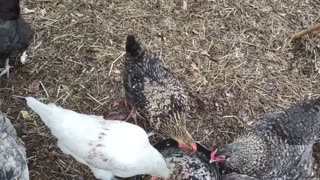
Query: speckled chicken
(236, 176)
(276, 146)
(13, 158)
(15, 34)
(155, 92)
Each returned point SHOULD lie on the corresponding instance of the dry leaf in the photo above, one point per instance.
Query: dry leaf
(34, 86)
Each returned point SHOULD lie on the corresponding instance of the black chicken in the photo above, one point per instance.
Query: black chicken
(15, 34)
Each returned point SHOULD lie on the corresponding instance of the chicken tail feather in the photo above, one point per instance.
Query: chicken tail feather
(133, 46)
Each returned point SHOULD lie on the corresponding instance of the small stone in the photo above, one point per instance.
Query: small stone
(25, 114)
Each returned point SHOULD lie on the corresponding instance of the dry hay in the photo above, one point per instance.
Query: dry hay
(232, 56)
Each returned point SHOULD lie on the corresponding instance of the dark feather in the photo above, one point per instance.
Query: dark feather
(15, 33)
(235, 176)
(132, 46)
(9, 10)
(277, 145)
(155, 91)
(13, 160)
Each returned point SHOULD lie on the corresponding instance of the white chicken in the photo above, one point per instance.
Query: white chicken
(108, 147)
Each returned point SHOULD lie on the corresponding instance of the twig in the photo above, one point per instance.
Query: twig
(44, 89)
(306, 31)
(115, 62)
(96, 100)
(203, 139)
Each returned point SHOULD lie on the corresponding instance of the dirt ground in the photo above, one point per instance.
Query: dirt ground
(233, 57)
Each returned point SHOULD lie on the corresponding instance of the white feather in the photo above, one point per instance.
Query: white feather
(23, 57)
(108, 147)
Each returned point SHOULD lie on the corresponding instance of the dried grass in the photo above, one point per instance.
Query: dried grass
(232, 56)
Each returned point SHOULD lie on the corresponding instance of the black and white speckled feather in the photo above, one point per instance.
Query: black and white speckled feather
(155, 92)
(13, 160)
(277, 145)
(188, 166)
(15, 34)
(236, 176)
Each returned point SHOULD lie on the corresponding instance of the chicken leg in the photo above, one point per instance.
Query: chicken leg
(5, 69)
(133, 114)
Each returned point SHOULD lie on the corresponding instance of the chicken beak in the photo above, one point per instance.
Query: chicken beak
(215, 158)
(192, 149)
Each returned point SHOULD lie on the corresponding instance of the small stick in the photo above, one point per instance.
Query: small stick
(96, 100)
(44, 88)
(115, 62)
(306, 31)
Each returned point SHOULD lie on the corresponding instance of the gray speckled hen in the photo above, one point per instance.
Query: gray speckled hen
(13, 160)
(15, 34)
(155, 92)
(236, 176)
(277, 146)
